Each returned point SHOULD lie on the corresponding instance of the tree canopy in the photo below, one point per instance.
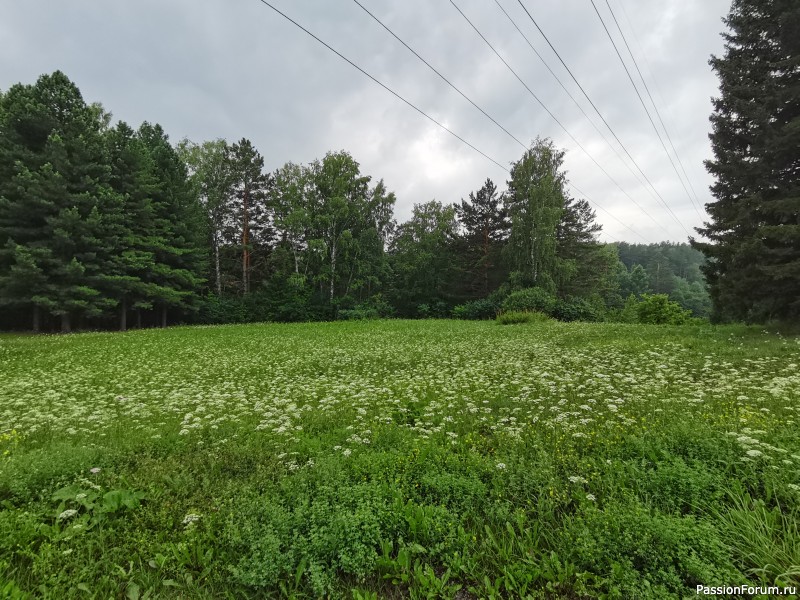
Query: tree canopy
(100, 222)
(754, 232)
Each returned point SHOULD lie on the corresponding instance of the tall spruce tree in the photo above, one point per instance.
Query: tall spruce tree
(584, 264)
(486, 227)
(175, 236)
(754, 250)
(54, 201)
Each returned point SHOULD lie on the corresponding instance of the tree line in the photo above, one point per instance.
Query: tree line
(104, 225)
(753, 235)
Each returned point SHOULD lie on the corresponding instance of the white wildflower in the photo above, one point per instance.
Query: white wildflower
(69, 513)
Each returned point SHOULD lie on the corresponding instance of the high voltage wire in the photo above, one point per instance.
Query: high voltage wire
(549, 112)
(641, 100)
(575, 102)
(296, 24)
(384, 86)
(652, 76)
(447, 81)
(376, 19)
(658, 112)
(628, 154)
(585, 195)
(563, 87)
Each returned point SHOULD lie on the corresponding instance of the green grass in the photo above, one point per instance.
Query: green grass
(398, 459)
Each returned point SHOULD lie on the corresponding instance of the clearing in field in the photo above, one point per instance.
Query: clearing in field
(430, 459)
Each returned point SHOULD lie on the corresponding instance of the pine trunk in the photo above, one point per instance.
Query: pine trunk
(138, 319)
(245, 241)
(164, 316)
(37, 319)
(123, 316)
(333, 268)
(66, 326)
(216, 264)
(485, 261)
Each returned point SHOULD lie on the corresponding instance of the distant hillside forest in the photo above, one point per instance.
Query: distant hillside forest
(105, 226)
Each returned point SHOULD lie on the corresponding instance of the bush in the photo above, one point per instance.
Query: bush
(657, 309)
(436, 310)
(476, 309)
(576, 309)
(514, 317)
(530, 299)
(215, 310)
(359, 313)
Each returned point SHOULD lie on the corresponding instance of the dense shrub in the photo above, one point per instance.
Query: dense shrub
(521, 316)
(435, 310)
(530, 299)
(657, 309)
(359, 313)
(576, 309)
(215, 310)
(484, 308)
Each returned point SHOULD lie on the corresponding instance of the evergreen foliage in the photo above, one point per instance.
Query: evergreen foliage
(101, 223)
(754, 231)
(92, 219)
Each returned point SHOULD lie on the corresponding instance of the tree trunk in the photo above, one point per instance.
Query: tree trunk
(216, 264)
(245, 241)
(37, 319)
(333, 267)
(138, 318)
(164, 316)
(65, 323)
(123, 315)
(485, 261)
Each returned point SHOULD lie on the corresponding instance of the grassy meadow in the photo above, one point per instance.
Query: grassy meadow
(394, 459)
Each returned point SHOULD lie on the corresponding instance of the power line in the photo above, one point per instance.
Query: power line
(571, 97)
(442, 77)
(628, 154)
(658, 113)
(634, 232)
(295, 23)
(384, 86)
(652, 76)
(549, 112)
(468, 99)
(641, 100)
(415, 53)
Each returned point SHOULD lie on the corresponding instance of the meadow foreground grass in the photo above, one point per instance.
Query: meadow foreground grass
(427, 459)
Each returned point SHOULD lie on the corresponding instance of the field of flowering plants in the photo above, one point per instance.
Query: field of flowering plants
(395, 459)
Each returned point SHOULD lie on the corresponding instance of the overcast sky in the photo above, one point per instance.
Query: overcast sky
(235, 68)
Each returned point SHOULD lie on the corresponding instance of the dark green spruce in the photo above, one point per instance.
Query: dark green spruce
(754, 231)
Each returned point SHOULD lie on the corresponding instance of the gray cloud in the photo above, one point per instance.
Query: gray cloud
(236, 69)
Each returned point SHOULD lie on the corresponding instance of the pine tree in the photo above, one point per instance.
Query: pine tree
(584, 264)
(250, 185)
(53, 190)
(486, 227)
(134, 259)
(754, 232)
(175, 236)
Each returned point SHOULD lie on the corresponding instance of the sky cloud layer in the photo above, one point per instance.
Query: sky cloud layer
(237, 69)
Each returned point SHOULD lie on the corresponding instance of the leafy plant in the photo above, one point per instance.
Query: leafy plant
(529, 300)
(657, 309)
(484, 308)
(515, 317)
